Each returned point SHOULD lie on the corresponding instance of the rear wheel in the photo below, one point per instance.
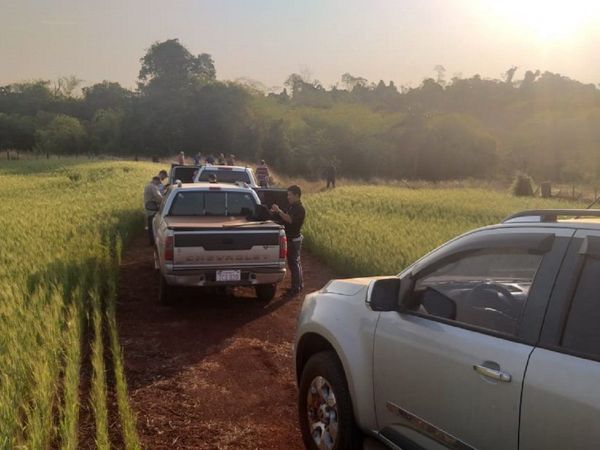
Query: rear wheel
(166, 293)
(325, 407)
(265, 292)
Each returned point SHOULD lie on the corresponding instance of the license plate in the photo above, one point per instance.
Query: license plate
(229, 275)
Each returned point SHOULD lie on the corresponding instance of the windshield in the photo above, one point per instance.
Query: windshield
(200, 203)
(225, 176)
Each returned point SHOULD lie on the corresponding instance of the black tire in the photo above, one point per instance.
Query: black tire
(166, 293)
(327, 365)
(265, 292)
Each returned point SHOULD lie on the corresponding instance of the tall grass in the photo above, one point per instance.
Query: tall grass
(131, 440)
(98, 386)
(59, 220)
(72, 336)
(370, 230)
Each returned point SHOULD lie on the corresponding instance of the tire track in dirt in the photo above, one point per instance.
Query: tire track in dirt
(210, 372)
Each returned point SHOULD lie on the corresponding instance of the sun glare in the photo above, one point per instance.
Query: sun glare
(549, 20)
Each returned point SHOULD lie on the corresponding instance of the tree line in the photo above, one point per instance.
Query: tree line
(545, 124)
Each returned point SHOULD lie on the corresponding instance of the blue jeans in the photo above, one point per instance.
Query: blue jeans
(294, 263)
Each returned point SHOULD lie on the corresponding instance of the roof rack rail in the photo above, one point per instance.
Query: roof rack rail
(550, 215)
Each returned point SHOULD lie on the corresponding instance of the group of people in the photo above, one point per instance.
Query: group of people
(209, 160)
(292, 219)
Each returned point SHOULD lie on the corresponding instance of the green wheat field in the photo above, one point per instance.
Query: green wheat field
(64, 223)
(379, 230)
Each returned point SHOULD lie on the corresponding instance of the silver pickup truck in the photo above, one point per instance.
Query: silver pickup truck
(491, 342)
(212, 234)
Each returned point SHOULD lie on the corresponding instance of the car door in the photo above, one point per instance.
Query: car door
(448, 371)
(561, 399)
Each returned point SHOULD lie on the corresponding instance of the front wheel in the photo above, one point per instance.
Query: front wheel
(265, 292)
(325, 407)
(166, 293)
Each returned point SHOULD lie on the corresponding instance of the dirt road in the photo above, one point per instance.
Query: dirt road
(211, 372)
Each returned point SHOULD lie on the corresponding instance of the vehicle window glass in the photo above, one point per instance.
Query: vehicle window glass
(225, 176)
(184, 174)
(240, 204)
(582, 331)
(486, 288)
(188, 204)
(213, 204)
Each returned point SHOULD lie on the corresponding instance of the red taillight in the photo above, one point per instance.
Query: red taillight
(169, 249)
(282, 247)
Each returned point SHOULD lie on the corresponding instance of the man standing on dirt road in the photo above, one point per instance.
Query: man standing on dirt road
(152, 199)
(293, 219)
(262, 173)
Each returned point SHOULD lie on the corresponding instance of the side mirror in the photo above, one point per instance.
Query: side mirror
(384, 293)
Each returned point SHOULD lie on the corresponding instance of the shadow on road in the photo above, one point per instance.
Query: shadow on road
(210, 362)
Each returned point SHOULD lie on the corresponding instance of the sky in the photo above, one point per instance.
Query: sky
(267, 40)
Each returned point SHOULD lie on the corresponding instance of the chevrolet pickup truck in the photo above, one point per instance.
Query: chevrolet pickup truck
(213, 234)
(491, 341)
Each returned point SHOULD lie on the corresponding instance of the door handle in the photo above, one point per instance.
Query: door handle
(495, 374)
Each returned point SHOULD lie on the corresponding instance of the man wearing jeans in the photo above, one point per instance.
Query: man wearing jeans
(293, 219)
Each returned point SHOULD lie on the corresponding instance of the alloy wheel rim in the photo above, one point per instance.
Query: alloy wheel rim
(322, 411)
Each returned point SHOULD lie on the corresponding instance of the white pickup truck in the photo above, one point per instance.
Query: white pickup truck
(213, 234)
(226, 174)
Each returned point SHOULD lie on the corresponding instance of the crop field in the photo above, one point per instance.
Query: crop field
(63, 223)
(370, 230)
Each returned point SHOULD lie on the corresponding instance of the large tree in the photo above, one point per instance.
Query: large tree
(169, 66)
(62, 135)
(105, 95)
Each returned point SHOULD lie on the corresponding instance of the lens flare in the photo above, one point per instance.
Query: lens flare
(548, 20)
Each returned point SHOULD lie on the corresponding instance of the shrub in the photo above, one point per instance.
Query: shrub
(522, 186)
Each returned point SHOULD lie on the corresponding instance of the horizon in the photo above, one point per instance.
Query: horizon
(266, 41)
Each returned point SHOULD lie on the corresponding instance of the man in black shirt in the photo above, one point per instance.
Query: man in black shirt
(293, 219)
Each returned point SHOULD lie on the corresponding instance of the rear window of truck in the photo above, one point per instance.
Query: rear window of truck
(225, 176)
(213, 204)
(184, 174)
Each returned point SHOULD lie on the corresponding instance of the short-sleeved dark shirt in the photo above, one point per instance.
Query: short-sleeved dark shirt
(297, 213)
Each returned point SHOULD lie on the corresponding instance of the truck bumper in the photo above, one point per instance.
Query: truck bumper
(207, 277)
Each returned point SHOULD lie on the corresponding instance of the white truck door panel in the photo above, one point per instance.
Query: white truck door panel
(426, 368)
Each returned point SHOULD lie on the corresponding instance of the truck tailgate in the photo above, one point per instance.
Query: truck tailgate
(226, 248)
